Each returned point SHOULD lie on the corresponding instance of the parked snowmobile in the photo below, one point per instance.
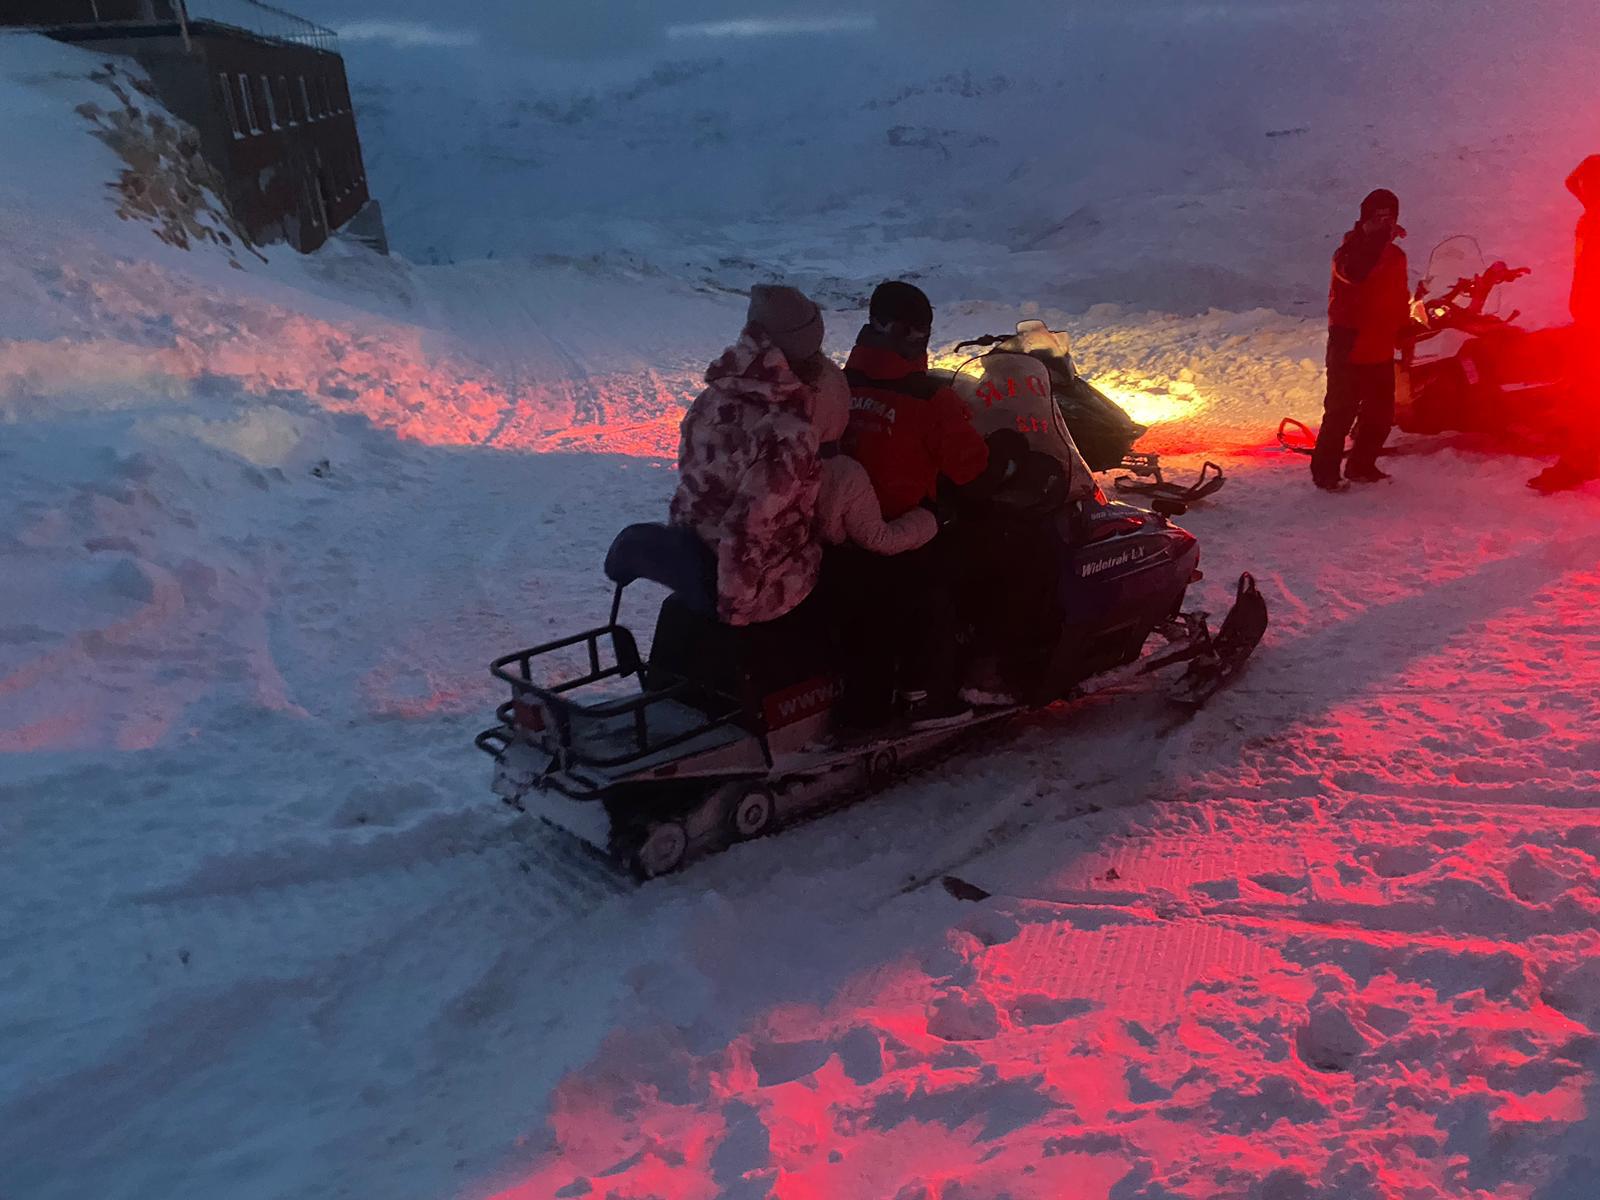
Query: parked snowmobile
(1103, 432)
(722, 734)
(1474, 369)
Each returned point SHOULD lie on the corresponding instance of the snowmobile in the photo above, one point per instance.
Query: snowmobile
(1478, 371)
(1471, 369)
(1103, 432)
(723, 734)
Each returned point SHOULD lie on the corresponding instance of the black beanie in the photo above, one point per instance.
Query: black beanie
(900, 302)
(1378, 200)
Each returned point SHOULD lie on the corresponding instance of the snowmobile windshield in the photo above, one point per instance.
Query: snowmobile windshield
(1035, 337)
(1011, 390)
(1050, 346)
(1454, 259)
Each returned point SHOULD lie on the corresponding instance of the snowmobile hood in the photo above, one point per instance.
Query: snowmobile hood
(1586, 179)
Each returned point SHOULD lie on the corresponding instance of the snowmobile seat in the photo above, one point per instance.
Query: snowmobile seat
(1035, 482)
(765, 666)
(670, 555)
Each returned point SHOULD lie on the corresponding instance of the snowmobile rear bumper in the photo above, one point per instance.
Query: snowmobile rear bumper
(653, 820)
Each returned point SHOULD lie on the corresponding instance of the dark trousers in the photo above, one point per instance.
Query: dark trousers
(1580, 453)
(1359, 395)
(897, 625)
(1012, 596)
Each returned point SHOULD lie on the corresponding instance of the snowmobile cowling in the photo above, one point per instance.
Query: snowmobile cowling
(1100, 431)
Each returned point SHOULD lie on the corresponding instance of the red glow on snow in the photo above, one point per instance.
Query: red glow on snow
(403, 378)
(1081, 1040)
(1270, 977)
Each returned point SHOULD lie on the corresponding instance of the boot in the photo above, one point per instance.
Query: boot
(1562, 477)
(1366, 474)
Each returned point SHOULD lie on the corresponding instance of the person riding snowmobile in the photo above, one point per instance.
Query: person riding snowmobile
(908, 432)
(1369, 304)
(905, 429)
(748, 462)
(1581, 460)
(848, 512)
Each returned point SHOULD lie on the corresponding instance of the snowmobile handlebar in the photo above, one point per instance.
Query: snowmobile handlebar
(988, 339)
(1465, 300)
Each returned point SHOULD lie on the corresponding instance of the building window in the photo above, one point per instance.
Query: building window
(247, 108)
(313, 195)
(305, 100)
(227, 104)
(327, 98)
(286, 100)
(271, 103)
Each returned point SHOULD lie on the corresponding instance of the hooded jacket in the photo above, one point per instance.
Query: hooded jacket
(1586, 259)
(847, 507)
(1370, 295)
(749, 475)
(907, 430)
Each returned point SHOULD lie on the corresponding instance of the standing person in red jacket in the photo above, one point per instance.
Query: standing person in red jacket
(1369, 304)
(908, 431)
(1581, 460)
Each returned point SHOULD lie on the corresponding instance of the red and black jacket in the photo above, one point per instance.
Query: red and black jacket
(1370, 297)
(907, 429)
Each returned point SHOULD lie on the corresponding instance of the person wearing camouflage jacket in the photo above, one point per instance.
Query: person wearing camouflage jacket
(748, 462)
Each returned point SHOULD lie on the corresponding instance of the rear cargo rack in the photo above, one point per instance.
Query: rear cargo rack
(668, 710)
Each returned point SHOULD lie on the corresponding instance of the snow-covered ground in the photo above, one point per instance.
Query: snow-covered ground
(264, 932)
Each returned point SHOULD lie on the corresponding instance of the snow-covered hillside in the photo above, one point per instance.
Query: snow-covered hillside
(267, 935)
(1161, 154)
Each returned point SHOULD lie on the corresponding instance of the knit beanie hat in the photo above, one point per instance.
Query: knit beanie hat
(791, 320)
(900, 303)
(1380, 200)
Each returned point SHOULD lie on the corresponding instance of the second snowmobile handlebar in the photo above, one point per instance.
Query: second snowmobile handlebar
(1476, 288)
(1462, 306)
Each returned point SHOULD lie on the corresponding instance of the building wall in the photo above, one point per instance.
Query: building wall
(284, 124)
(274, 118)
(83, 12)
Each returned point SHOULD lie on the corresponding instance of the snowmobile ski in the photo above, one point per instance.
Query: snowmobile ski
(1214, 660)
(1296, 437)
(1209, 482)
